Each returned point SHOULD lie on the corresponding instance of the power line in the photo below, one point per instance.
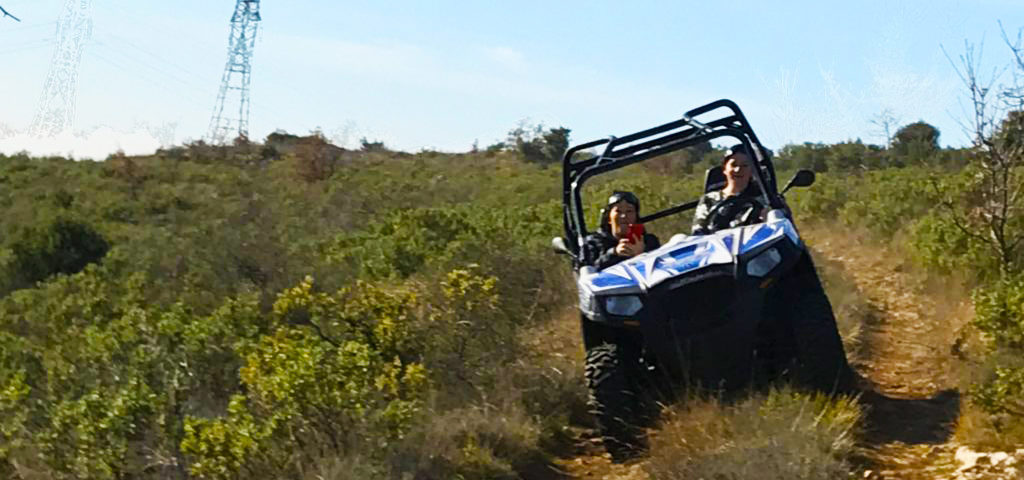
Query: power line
(26, 26)
(26, 46)
(150, 79)
(115, 47)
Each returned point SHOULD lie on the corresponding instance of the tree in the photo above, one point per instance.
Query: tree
(372, 146)
(315, 158)
(916, 142)
(538, 145)
(556, 142)
(127, 170)
(809, 155)
(990, 210)
(850, 155)
(987, 210)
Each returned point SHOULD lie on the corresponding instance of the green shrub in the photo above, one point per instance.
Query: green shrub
(14, 392)
(999, 313)
(62, 246)
(823, 200)
(999, 316)
(402, 243)
(993, 416)
(886, 200)
(335, 386)
(93, 436)
(1002, 392)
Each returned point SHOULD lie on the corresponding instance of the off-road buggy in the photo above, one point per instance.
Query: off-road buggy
(716, 311)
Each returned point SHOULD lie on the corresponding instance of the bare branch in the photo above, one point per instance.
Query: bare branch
(1014, 94)
(886, 122)
(982, 116)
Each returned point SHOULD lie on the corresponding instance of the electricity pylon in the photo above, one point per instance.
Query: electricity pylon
(235, 81)
(57, 104)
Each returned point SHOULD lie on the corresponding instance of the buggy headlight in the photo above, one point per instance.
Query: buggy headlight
(622, 305)
(763, 263)
(587, 304)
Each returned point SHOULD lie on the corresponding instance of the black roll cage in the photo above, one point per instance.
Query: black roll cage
(644, 145)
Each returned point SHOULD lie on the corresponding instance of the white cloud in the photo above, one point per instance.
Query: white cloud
(790, 122)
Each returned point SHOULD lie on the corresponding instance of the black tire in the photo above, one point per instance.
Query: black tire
(775, 347)
(612, 373)
(821, 358)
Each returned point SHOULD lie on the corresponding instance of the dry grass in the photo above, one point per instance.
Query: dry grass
(474, 443)
(780, 435)
(947, 296)
(550, 379)
(514, 428)
(353, 467)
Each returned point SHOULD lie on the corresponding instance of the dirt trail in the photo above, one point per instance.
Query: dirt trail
(905, 352)
(591, 462)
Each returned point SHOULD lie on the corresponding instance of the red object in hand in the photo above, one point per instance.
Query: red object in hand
(636, 232)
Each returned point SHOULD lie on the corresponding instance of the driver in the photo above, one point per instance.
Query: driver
(738, 167)
(612, 243)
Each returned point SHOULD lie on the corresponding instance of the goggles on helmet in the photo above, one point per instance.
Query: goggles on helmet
(627, 197)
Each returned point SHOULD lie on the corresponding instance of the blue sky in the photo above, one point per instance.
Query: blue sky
(445, 74)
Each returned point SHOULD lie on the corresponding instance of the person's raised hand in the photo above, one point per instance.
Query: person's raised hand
(629, 248)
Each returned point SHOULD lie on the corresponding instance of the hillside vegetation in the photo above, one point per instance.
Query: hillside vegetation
(294, 310)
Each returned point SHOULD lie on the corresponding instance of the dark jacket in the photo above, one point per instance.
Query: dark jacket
(599, 248)
(701, 220)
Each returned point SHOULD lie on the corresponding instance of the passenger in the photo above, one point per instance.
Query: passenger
(612, 243)
(738, 168)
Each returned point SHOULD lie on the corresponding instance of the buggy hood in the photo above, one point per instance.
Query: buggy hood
(684, 255)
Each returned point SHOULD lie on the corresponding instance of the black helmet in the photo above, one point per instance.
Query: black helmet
(616, 197)
(733, 150)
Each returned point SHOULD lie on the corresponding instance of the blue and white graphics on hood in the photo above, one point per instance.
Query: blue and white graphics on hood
(684, 254)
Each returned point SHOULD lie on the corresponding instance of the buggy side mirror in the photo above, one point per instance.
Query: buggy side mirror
(558, 244)
(803, 178)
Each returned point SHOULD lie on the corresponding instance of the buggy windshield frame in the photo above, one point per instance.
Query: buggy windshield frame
(721, 118)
